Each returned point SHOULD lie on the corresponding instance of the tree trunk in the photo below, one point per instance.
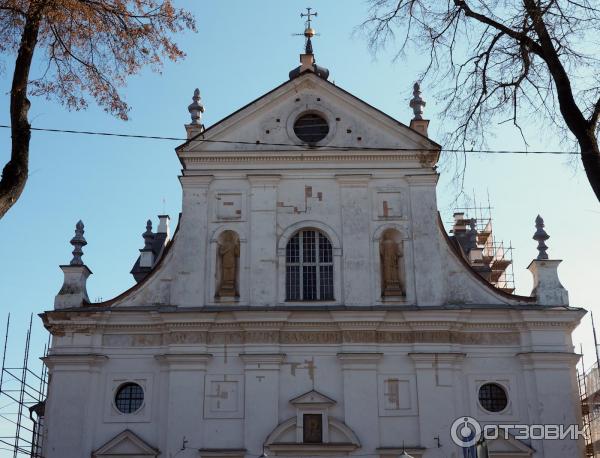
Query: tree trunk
(15, 172)
(590, 157)
(573, 116)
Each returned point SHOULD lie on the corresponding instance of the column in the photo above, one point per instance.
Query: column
(262, 398)
(356, 218)
(185, 398)
(359, 372)
(263, 236)
(192, 242)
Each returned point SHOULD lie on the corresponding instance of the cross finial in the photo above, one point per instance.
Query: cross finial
(417, 103)
(78, 243)
(196, 108)
(309, 32)
(541, 236)
(308, 15)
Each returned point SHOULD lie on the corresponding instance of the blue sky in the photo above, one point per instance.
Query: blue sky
(242, 50)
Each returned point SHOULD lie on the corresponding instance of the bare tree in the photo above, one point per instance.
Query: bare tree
(88, 48)
(508, 61)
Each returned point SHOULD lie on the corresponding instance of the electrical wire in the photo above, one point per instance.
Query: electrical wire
(293, 145)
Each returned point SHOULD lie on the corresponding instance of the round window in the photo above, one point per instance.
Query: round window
(129, 397)
(492, 397)
(311, 128)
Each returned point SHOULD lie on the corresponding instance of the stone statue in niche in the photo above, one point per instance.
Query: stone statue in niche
(392, 266)
(229, 253)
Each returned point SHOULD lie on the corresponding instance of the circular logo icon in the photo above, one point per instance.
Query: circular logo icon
(465, 431)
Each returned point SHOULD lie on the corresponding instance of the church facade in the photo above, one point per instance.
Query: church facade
(308, 303)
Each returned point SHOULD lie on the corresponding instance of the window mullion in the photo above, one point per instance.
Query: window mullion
(301, 269)
(318, 273)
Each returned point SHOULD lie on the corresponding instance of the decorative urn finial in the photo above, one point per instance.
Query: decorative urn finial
(73, 292)
(541, 236)
(148, 235)
(417, 103)
(196, 108)
(78, 243)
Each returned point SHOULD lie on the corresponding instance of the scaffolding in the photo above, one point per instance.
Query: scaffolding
(22, 402)
(490, 257)
(589, 394)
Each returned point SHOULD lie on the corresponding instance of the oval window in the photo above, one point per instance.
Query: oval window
(492, 397)
(311, 128)
(129, 398)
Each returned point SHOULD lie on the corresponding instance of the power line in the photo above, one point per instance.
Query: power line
(343, 148)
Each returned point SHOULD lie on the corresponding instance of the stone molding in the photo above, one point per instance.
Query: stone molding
(359, 361)
(548, 359)
(437, 360)
(353, 180)
(423, 179)
(222, 452)
(185, 361)
(300, 157)
(74, 362)
(263, 179)
(58, 327)
(394, 452)
(262, 361)
(311, 449)
(196, 181)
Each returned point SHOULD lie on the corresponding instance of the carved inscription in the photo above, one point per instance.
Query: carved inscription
(310, 337)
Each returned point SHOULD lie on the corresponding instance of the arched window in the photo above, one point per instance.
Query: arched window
(309, 267)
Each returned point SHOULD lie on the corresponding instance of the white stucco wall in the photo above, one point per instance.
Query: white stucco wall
(171, 335)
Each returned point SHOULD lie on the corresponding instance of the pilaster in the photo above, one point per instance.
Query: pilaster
(74, 382)
(438, 390)
(428, 274)
(356, 217)
(185, 393)
(360, 396)
(263, 233)
(189, 277)
(261, 372)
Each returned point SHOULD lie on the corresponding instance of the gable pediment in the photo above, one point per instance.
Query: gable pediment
(126, 443)
(267, 123)
(312, 398)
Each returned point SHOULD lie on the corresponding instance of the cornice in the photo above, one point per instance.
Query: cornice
(303, 156)
(61, 327)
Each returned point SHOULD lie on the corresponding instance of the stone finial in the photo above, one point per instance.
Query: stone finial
(472, 236)
(417, 103)
(547, 288)
(148, 236)
(73, 292)
(196, 108)
(541, 236)
(78, 243)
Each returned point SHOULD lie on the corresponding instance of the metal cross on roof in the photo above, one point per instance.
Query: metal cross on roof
(309, 32)
(308, 15)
